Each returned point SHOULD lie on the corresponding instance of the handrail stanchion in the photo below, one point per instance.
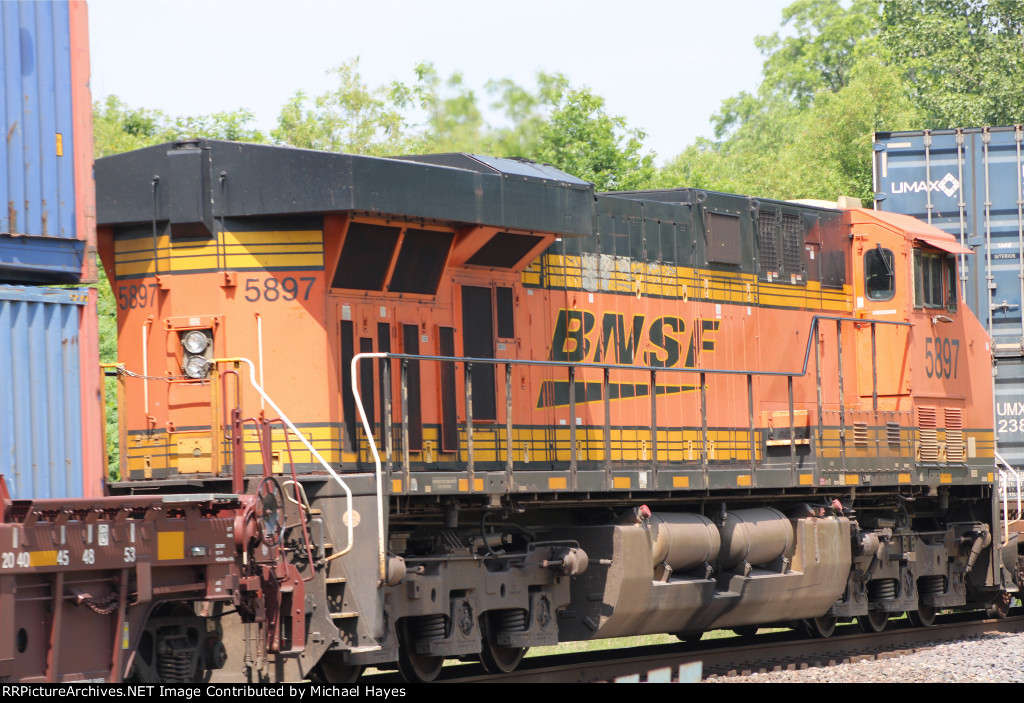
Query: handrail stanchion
(792, 427)
(470, 464)
(508, 426)
(703, 425)
(381, 553)
(386, 409)
(874, 370)
(750, 413)
(654, 424)
(606, 395)
(842, 396)
(404, 382)
(815, 330)
(572, 425)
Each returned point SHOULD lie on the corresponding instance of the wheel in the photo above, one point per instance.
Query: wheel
(745, 630)
(924, 616)
(501, 660)
(820, 627)
(690, 637)
(1000, 608)
(874, 621)
(333, 669)
(416, 668)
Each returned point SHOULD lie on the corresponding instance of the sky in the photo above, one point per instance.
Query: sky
(664, 65)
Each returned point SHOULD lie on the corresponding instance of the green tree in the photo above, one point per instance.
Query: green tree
(828, 40)
(118, 127)
(354, 117)
(525, 113)
(455, 122)
(848, 69)
(964, 58)
(568, 128)
(807, 130)
(581, 138)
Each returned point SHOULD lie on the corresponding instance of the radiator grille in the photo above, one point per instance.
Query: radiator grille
(767, 232)
(792, 245)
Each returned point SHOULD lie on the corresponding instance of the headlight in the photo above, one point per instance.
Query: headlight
(197, 367)
(195, 342)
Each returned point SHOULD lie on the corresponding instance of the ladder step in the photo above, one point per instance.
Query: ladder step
(367, 648)
(344, 616)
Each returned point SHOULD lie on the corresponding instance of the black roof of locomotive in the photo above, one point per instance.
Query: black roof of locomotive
(191, 183)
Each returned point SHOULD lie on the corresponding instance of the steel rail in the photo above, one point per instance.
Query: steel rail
(734, 655)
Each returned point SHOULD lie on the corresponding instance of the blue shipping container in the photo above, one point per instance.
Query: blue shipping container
(968, 182)
(40, 155)
(41, 391)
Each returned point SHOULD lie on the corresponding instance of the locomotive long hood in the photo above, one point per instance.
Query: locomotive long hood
(191, 183)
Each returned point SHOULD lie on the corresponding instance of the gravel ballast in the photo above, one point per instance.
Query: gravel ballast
(992, 658)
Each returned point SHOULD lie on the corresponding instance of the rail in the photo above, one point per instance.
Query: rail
(606, 369)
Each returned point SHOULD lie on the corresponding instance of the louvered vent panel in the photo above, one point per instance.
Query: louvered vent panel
(954, 419)
(767, 230)
(955, 446)
(892, 432)
(927, 417)
(860, 434)
(954, 435)
(792, 245)
(929, 434)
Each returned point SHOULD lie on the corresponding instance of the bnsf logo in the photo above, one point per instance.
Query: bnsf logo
(664, 343)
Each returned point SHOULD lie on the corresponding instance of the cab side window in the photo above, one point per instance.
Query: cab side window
(934, 280)
(879, 275)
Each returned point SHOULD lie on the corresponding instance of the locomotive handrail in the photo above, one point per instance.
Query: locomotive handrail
(1006, 494)
(302, 438)
(572, 366)
(381, 554)
(633, 367)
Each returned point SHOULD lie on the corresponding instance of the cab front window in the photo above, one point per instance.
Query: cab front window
(879, 276)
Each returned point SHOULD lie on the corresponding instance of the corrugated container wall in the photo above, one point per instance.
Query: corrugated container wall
(49, 393)
(968, 182)
(47, 213)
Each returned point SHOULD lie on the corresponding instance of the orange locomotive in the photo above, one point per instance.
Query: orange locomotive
(499, 410)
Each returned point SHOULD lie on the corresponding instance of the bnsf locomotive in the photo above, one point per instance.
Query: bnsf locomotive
(483, 408)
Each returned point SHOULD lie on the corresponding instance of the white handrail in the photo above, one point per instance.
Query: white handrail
(1006, 494)
(381, 554)
(305, 442)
